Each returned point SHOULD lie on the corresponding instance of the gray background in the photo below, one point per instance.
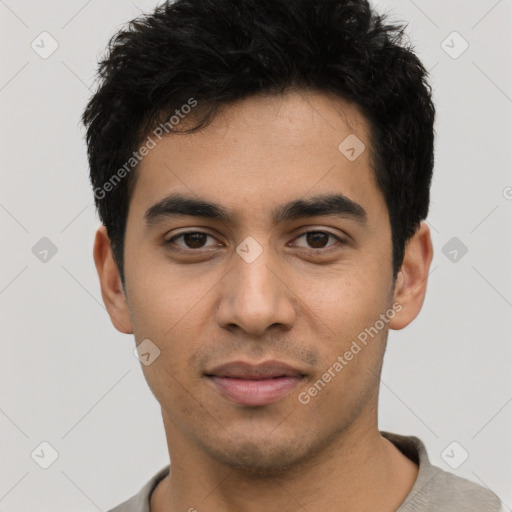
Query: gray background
(70, 379)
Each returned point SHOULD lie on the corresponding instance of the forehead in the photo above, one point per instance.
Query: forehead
(263, 151)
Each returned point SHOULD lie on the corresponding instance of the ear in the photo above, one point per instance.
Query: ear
(411, 282)
(110, 282)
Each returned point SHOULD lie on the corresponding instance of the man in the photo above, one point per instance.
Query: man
(262, 171)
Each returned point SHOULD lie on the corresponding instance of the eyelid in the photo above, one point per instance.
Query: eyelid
(341, 240)
(171, 240)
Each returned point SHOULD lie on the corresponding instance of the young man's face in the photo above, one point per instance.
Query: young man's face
(215, 297)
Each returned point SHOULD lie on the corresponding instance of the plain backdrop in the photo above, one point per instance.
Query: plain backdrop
(68, 378)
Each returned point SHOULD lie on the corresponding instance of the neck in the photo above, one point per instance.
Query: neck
(358, 470)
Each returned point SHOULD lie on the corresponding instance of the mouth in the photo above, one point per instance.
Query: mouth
(255, 385)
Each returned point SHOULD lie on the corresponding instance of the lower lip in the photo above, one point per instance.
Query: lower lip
(255, 392)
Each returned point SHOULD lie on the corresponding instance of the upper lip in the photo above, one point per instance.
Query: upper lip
(246, 370)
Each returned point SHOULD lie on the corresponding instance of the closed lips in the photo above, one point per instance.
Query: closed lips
(248, 371)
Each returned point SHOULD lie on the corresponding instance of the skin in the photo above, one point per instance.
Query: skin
(298, 302)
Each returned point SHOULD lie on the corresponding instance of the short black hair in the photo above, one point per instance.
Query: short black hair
(212, 53)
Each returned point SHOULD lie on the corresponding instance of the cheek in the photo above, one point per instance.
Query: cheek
(163, 298)
(174, 315)
(345, 298)
(346, 307)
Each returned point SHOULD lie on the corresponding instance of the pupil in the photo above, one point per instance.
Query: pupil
(317, 237)
(193, 240)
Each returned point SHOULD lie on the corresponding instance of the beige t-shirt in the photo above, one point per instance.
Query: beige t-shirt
(435, 490)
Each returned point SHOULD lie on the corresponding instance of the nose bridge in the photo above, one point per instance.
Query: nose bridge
(255, 279)
(254, 298)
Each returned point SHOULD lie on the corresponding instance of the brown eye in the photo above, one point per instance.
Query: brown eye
(318, 239)
(192, 240)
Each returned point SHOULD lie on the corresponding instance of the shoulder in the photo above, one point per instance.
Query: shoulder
(446, 492)
(438, 490)
(140, 501)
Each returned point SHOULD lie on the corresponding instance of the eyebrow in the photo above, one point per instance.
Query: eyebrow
(176, 205)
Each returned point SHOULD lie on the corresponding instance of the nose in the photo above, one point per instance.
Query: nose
(256, 296)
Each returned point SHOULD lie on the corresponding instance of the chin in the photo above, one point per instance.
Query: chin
(262, 458)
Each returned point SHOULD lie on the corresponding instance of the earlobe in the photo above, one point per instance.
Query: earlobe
(411, 282)
(112, 290)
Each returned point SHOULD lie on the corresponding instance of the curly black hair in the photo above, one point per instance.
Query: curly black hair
(215, 52)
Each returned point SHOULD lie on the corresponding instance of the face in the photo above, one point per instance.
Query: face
(293, 265)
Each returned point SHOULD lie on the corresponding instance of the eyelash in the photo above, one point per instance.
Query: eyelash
(170, 241)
